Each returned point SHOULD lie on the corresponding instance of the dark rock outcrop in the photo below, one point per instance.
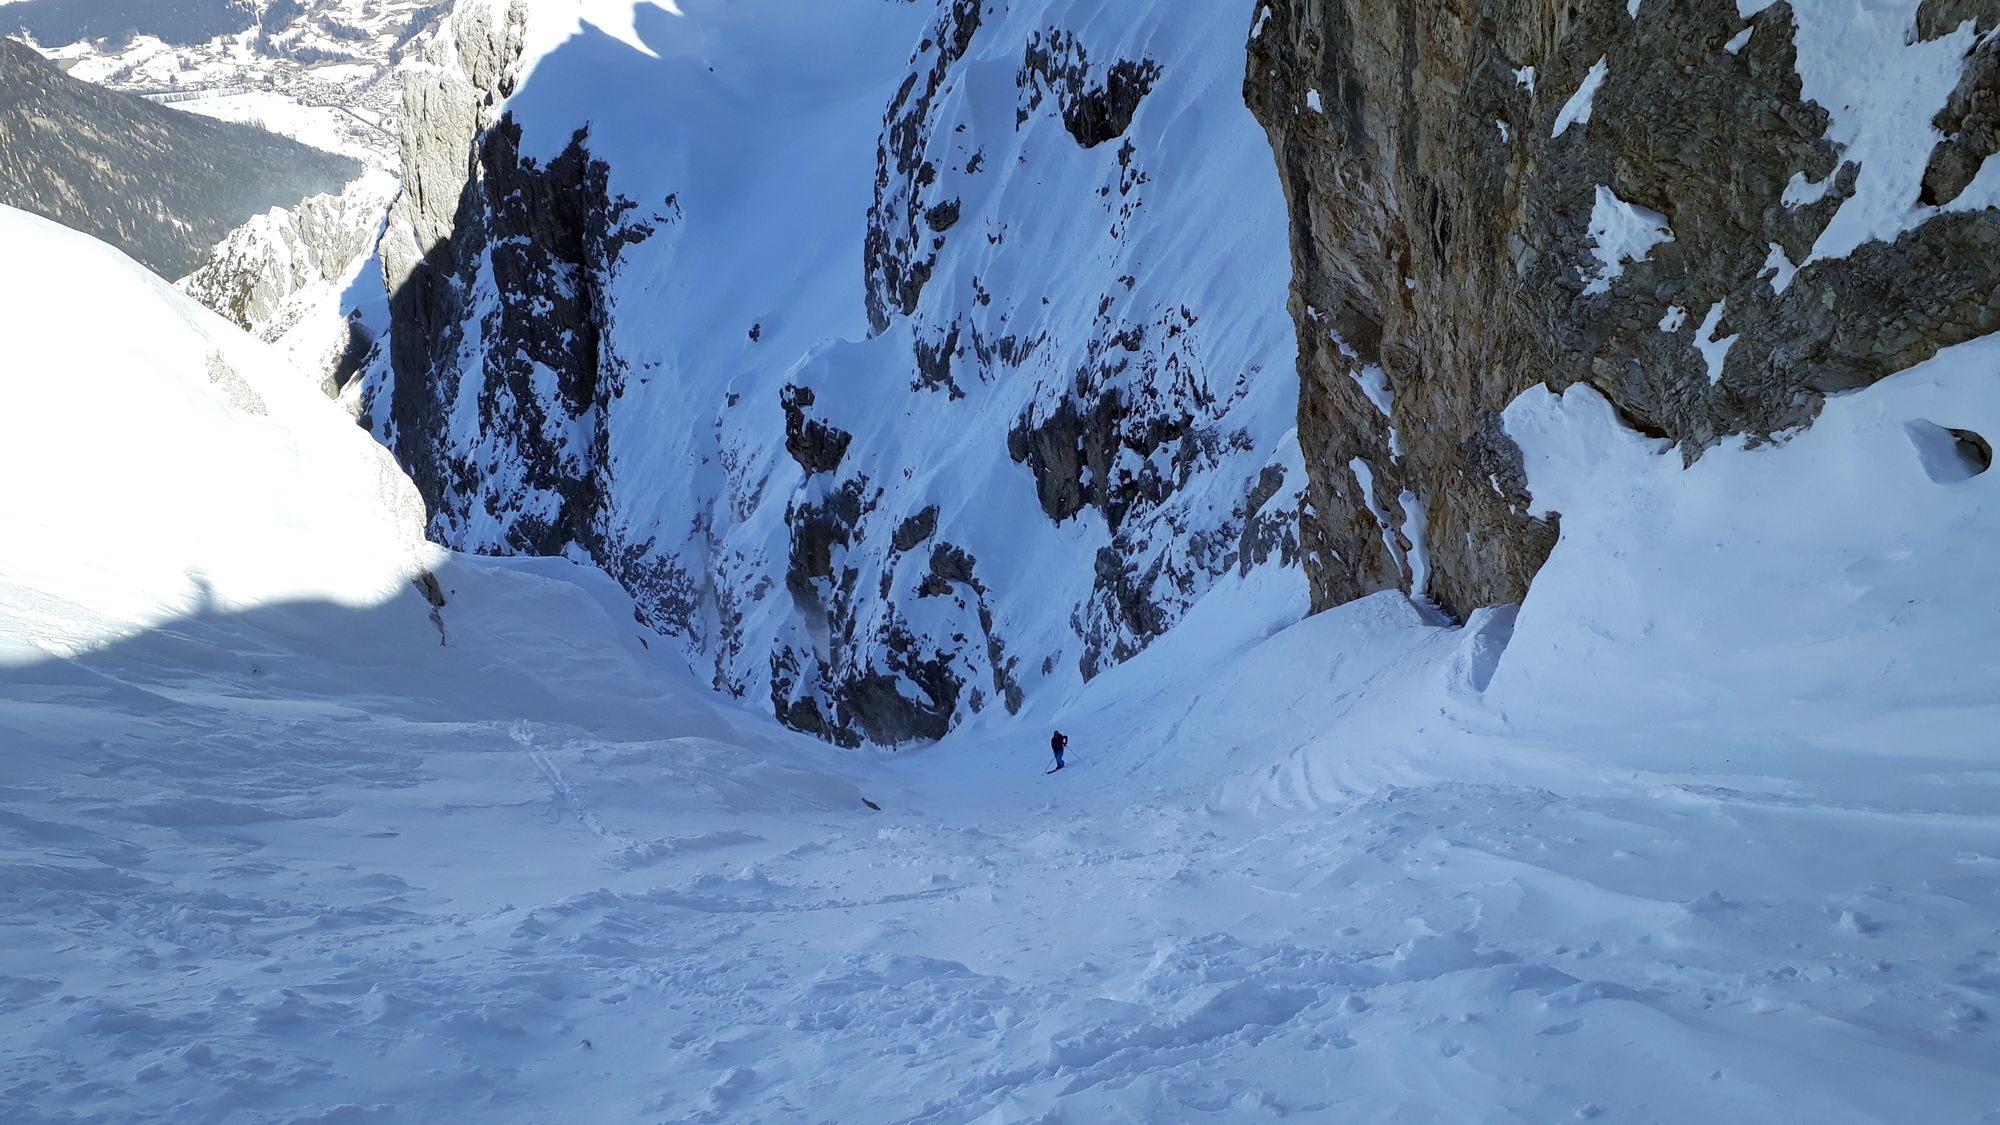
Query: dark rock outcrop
(1970, 122)
(898, 254)
(816, 446)
(915, 529)
(1057, 64)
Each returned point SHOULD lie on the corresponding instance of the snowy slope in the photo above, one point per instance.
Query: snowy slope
(302, 863)
(162, 461)
(893, 384)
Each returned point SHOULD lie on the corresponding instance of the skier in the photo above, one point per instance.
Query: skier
(1057, 741)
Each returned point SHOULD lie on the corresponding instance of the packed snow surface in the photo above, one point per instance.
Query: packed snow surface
(1705, 831)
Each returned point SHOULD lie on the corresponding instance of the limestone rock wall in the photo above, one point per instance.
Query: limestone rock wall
(302, 278)
(1638, 194)
(495, 265)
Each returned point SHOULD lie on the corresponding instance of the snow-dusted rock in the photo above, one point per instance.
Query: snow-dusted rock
(901, 360)
(1652, 157)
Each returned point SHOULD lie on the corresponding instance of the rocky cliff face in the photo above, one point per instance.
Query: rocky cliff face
(907, 360)
(1129, 421)
(495, 264)
(305, 278)
(902, 360)
(1716, 213)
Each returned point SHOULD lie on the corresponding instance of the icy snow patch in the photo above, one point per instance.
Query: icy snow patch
(1982, 192)
(1800, 191)
(1882, 92)
(1673, 318)
(1374, 382)
(1621, 232)
(1779, 267)
(1713, 351)
(1525, 75)
(1313, 102)
(1416, 529)
(1737, 40)
(1364, 475)
(1576, 111)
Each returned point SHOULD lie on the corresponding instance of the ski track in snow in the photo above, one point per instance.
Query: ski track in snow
(256, 870)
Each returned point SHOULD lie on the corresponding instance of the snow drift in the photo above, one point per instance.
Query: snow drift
(159, 460)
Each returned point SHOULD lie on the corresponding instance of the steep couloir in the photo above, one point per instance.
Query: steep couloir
(900, 359)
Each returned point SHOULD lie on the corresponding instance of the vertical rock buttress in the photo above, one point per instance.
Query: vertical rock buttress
(1444, 165)
(514, 252)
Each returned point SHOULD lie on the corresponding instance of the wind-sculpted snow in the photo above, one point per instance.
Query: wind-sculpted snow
(161, 461)
(301, 862)
(746, 298)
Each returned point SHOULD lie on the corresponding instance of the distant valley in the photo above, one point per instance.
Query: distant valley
(162, 185)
